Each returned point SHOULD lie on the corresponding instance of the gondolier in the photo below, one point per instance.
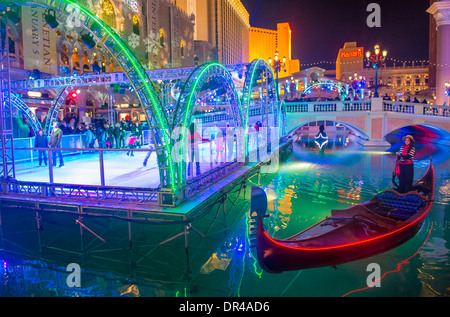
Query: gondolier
(405, 162)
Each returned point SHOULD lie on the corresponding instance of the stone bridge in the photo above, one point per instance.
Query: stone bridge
(373, 119)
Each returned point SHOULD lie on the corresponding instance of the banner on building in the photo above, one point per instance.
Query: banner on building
(153, 32)
(39, 41)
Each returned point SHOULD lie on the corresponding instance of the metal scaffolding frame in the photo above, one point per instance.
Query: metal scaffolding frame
(7, 169)
(91, 79)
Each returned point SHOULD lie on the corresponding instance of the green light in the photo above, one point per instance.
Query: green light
(249, 93)
(191, 103)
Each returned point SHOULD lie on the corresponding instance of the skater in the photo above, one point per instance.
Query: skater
(133, 142)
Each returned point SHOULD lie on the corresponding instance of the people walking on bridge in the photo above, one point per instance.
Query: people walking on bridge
(405, 162)
(41, 142)
(55, 143)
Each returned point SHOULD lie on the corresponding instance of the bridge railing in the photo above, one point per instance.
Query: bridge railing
(416, 108)
(328, 106)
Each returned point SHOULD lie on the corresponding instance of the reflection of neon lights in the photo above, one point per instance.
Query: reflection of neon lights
(247, 236)
(406, 261)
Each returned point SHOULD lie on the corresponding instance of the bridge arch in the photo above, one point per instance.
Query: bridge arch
(359, 133)
(217, 76)
(138, 78)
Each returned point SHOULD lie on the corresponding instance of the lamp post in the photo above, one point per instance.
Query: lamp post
(277, 65)
(375, 61)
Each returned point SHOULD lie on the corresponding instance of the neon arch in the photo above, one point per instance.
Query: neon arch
(18, 104)
(341, 90)
(255, 69)
(182, 116)
(135, 73)
(54, 109)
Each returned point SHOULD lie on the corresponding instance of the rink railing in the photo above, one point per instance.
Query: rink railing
(30, 182)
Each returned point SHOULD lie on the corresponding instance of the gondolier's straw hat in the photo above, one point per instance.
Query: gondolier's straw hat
(409, 137)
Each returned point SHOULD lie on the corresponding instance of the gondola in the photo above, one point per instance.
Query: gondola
(386, 221)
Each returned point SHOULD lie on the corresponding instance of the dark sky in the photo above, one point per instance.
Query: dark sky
(321, 27)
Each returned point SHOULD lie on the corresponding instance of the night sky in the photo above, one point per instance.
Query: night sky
(321, 27)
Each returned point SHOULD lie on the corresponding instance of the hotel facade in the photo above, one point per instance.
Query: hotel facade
(265, 42)
(398, 81)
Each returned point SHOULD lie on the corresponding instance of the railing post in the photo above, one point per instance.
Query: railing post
(102, 168)
(50, 166)
(377, 104)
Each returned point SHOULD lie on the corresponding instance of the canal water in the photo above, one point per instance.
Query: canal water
(309, 183)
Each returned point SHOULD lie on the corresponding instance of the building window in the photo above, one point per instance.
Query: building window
(12, 47)
(182, 49)
(108, 14)
(161, 38)
(136, 25)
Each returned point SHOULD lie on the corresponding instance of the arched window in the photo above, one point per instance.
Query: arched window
(136, 24)
(162, 38)
(182, 49)
(108, 14)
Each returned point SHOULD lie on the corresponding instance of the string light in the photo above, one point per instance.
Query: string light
(388, 58)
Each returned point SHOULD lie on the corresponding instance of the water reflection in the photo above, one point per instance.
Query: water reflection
(349, 174)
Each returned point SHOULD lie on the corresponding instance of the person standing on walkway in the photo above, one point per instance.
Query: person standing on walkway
(55, 142)
(41, 142)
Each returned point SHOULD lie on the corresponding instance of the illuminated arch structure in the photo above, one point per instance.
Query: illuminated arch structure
(216, 76)
(135, 73)
(260, 76)
(212, 76)
(341, 90)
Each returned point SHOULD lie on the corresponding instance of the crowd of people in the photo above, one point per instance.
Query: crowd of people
(107, 135)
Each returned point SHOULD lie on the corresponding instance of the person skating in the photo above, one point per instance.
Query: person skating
(55, 142)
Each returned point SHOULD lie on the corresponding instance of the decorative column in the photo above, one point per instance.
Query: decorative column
(441, 13)
(376, 125)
